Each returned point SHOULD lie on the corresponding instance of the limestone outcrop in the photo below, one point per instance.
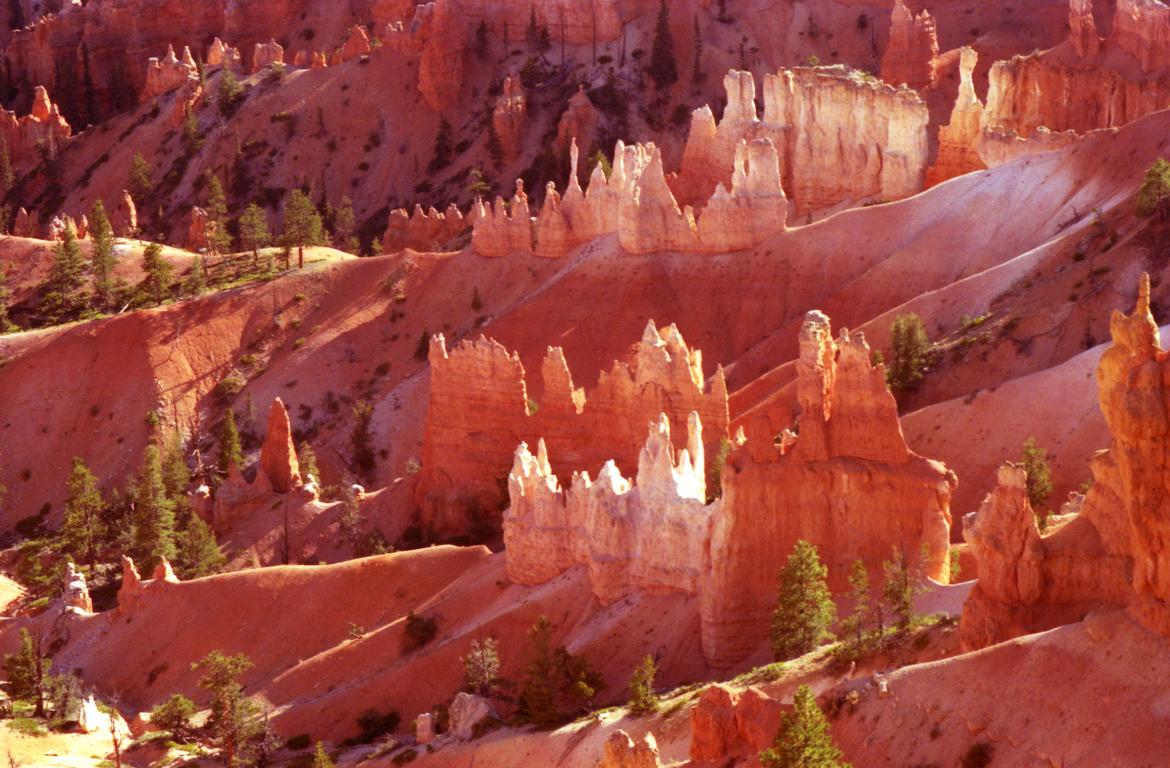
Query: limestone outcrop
(958, 140)
(637, 204)
(466, 712)
(43, 126)
(278, 455)
(622, 751)
(479, 412)
(124, 217)
(843, 479)
(422, 230)
(221, 55)
(841, 136)
(646, 536)
(732, 724)
(265, 55)
(130, 593)
(510, 117)
(1112, 553)
(169, 73)
(356, 45)
(76, 592)
(578, 124)
(278, 474)
(911, 49)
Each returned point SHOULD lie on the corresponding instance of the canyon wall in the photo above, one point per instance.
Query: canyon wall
(1112, 553)
(846, 482)
(480, 411)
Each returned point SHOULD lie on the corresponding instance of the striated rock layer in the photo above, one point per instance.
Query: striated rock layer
(1114, 551)
(844, 481)
(480, 411)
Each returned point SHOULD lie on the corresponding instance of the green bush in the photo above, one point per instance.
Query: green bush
(420, 630)
(299, 742)
(1153, 198)
(375, 724)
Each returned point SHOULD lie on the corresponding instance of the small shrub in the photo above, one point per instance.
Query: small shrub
(978, 756)
(299, 742)
(420, 630)
(230, 386)
(375, 724)
(404, 758)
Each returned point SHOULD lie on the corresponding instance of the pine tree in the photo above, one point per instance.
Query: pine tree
(854, 625)
(102, 260)
(64, 294)
(481, 40)
(803, 740)
(177, 477)
(1153, 198)
(495, 146)
(909, 353)
(154, 513)
(307, 461)
(900, 586)
(7, 177)
(5, 297)
(364, 458)
(196, 282)
(344, 226)
(138, 182)
(219, 238)
(200, 554)
(229, 446)
(663, 69)
(83, 527)
(229, 93)
(1039, 483)
(443, 146)
(26, 671)
(643, 699)
(174, 715)
(805, 610)
(321, 758)
(302, 224)
(481, 667)
(158, 271)
(233, 715)
(254, 230)
(538, 702)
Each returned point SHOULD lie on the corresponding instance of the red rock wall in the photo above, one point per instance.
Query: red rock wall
(911, 50)
(479, 413)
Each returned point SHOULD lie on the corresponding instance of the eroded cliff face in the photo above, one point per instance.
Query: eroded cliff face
(422, 230)
(1113, 552)
(844, 480)
(847, 482)
(479, 412)
(647, 535)
(841, 136)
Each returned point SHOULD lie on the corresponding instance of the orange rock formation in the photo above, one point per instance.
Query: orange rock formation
(479, 412)
(1112, 552)
(43, 126)
(911, 50)
(423, 230)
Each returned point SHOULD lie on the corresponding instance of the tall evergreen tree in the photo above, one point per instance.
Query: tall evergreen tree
(302, 224)
(219, 238)
(854, 625)
(154, 513)
(481, 666)
(643, 699)
(229, 451)
(321, 758)
(444, 146)
(196, 282)
(254, 230)
(199, 554)
(803, 740)
(64, 295)
(538, 698)
(159, 273)
(83, 526)
(307, 460)
(139, 182)
(233, 715)
(177, 477)
(5, 297)
(901, 585)
(663, 69)
(26, 671)
(344, 226)
(805, 611)
(7, 177)
(481, 40)
(909, 353)
(102, 259)
(495, 146)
